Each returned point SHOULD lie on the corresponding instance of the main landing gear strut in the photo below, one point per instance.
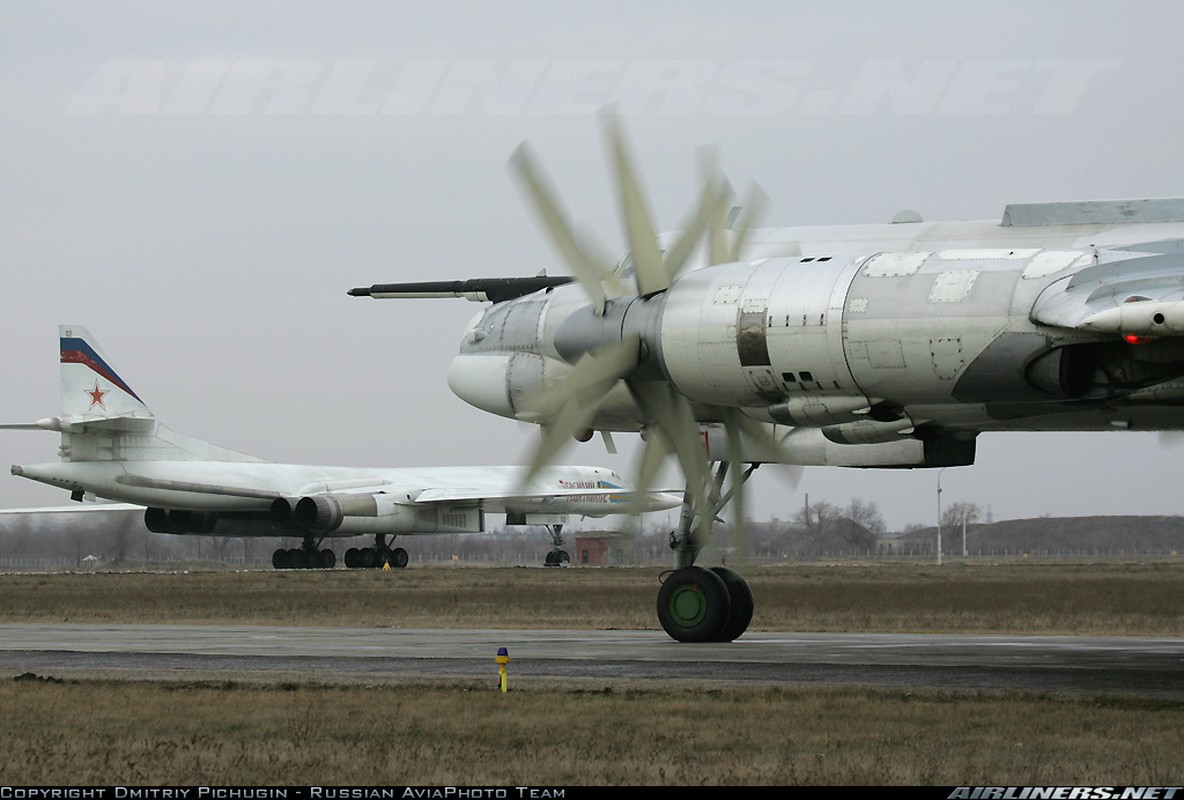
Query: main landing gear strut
(377, 556)
(558, 557)
(307, 556)
(698, 604)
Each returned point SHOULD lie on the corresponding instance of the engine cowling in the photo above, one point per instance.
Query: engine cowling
(371, 513)
(194, 522)
(161, 520)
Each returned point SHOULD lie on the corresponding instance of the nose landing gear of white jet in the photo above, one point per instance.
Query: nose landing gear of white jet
(557, 557)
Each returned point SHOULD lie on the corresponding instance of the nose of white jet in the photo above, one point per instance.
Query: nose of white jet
(664, 500)
(480, 380)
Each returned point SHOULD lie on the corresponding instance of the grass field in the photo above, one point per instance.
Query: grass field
(82, 731)
(1016, 597)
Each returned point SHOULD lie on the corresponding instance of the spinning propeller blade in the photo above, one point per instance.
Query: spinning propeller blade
(598, 363)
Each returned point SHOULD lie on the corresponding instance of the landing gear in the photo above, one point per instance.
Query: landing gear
(696, 604)
(307, 556)
(558, 557)
(740, 604)
(693, 605)
(377, 556)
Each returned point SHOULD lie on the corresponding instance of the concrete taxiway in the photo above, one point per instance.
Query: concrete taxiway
(1151, 667)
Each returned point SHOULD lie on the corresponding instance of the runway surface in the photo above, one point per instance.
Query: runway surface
(1150, 667)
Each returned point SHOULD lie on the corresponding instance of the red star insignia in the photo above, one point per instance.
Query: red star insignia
(96, 396)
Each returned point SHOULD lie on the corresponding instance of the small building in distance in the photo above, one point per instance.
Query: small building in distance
(601, 548)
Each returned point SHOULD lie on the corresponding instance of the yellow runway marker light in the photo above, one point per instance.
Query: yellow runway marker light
(502, 658)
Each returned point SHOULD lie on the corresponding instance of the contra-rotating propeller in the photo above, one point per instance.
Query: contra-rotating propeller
(614, 338)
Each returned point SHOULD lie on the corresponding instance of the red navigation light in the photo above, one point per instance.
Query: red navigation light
(1133, 338)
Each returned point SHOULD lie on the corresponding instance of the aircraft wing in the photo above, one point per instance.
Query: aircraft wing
(1140, 296)
(316, 485)
(74, 509)
(497, 497)
(496, 501)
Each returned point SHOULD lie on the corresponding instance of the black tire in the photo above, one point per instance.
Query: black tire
(328, 559)
(693, 605)
(562, 558)
(279, 559)
(742, 605)
(399, 558)
(549, 561)
(383, 557)
(353, 558)
(369, 558)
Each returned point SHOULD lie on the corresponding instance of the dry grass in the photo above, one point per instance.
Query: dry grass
(301, 732)
(96, 733)
(1068, 598)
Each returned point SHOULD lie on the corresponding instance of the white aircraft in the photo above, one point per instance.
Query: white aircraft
(886, 346)
(114, 448)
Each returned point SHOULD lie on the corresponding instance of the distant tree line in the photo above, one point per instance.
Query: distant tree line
(817, 529)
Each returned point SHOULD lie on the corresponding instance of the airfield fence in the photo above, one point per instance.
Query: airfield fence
(15, 563)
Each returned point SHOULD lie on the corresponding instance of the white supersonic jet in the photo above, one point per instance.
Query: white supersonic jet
(114, 448)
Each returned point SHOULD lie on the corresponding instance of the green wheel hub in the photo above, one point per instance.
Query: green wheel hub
(693, 605)
(688, 606)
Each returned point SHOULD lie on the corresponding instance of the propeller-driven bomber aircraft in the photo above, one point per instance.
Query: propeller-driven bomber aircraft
(114, 448)
(874, 346)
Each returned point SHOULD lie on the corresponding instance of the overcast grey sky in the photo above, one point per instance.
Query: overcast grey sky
(199, 184)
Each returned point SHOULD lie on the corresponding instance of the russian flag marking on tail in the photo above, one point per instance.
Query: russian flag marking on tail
(78, 351)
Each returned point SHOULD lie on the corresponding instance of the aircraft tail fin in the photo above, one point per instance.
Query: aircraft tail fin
(92, 390)
(103, 419)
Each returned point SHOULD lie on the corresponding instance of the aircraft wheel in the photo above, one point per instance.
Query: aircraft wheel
(296, 558)
(383, 556)
(328, 559)
(352, 559)
(740, 599)
(369, 558)
(549, 561)
(279, 559)
(399, 558)
(562, 559)
(693, 605)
